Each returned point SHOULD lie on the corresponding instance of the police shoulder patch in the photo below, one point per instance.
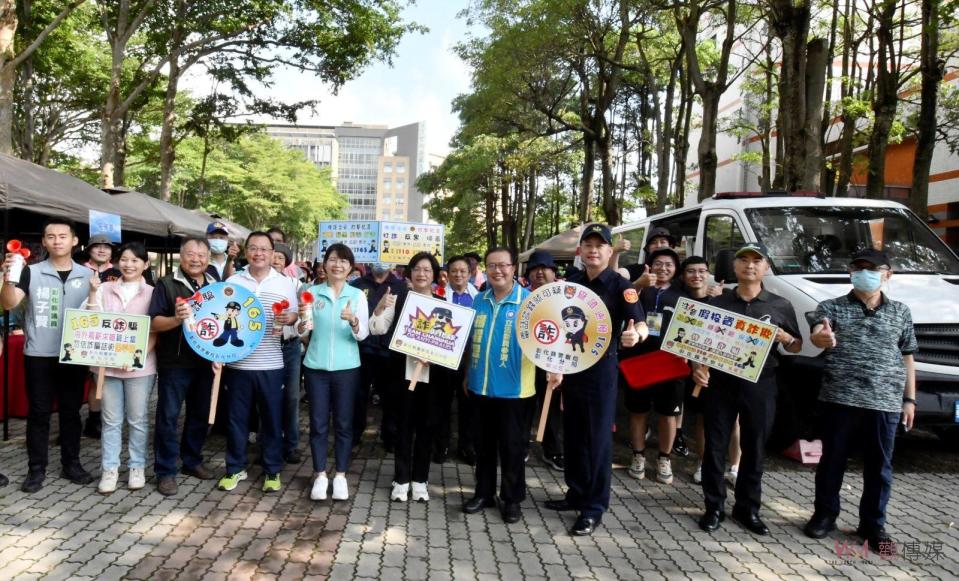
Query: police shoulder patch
(631, 295)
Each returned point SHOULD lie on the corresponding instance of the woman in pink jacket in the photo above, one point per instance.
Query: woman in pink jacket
(126, 392)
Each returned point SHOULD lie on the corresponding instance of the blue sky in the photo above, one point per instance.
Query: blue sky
(425, 77)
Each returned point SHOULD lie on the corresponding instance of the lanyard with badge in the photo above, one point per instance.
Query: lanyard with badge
(654, 320)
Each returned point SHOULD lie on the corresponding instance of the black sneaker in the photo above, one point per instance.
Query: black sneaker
(293, 457)
(679, 445)
(34, 481)
(3, 480)
(76, 474)
(556, 462)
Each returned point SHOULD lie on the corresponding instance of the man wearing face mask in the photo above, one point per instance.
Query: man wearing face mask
(863, 330)
(222, 251)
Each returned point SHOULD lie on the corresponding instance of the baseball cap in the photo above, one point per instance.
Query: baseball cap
(381, 267)
(871, 255)
(755, 248)
(99, 239)
(601, 230)
(217, 226)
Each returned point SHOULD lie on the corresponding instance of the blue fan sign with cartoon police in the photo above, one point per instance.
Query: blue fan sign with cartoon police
(564, 327)
(228, 322)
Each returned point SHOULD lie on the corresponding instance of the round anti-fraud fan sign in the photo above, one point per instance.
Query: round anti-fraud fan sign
(564, 327)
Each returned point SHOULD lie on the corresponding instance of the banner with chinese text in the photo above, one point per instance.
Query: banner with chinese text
(432, 330)
(102, 339)
(723, 340)
(361, 236)
(399, 241)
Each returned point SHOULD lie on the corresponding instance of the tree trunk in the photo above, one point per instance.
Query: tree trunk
(765, 125)
(167, 147)
(111, 118)
(586, 189)
(885, 102)
(932, 73)
(682, 138)
(530, 211)
(817, 59)
(666, 137)
(708, 160)
(604, 148)
(8, 73)
(790, 24)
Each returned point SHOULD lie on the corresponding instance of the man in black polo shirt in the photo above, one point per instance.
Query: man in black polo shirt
(727, 396)
(868, 385)
(589, 397)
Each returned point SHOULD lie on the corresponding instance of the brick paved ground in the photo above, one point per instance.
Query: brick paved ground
(71, 532)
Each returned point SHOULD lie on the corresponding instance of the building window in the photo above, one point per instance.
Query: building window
(401, 168)
(388, 168)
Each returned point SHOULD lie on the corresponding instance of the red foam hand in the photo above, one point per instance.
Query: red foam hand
(25, 253)
(280, 306)
(14, 246)
(306, 297)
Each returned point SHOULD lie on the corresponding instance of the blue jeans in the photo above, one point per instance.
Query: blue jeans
(127, 398)
(331, 391)
(266, 389)
(176, 385)
(292, 357)
(875, 432)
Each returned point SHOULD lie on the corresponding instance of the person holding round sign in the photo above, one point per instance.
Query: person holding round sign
(332, 325)
(727, 396)
(589, 396)
(501, 385)
(416, 409)
(182, 374)
(126, 392)
(257, 378)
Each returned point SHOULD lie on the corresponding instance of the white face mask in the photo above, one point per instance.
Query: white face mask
(218, 245)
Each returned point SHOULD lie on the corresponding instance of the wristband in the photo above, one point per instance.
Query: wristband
(908, 400)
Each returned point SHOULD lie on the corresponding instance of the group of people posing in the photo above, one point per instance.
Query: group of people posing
(335, 343)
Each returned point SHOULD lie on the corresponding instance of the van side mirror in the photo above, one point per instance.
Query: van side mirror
(724, 270)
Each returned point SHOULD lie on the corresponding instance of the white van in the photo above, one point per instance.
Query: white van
(810, 239)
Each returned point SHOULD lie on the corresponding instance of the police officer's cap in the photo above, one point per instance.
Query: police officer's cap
(601, 230)
(574, 313)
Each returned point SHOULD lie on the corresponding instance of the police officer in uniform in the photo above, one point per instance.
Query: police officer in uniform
(727, 396)
(589, 397)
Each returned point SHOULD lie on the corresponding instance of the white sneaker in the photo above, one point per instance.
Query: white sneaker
(732, 475)
(638, 468)
(137, 479)
(420, 493)
(400, 492)
(340, 490)
(108, 481)
(320, 484)
(664, 470)
(698, 475)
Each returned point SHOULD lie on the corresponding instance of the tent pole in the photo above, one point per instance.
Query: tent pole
(6, 343)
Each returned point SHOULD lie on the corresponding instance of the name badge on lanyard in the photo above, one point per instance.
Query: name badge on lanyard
(654, 320)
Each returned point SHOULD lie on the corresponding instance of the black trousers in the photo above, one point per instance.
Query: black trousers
(503, 441)
(588, 415)
(467, 419)
(553, 435)
(415, 426)
(443, 403)
(755, 404)
(374, 375)
(392, 398)
(47, 378)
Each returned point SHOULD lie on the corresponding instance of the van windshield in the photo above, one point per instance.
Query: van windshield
(820, 239)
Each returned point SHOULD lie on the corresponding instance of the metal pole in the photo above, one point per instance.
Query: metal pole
(6, 343)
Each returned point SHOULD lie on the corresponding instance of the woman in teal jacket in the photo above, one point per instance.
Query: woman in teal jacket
(332, 326)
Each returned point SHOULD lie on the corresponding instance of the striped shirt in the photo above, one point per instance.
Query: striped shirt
(272, 289)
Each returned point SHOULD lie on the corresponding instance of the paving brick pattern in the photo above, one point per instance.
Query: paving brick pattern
(71, 532)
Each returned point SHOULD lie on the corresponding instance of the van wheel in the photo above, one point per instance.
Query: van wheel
(949, 435)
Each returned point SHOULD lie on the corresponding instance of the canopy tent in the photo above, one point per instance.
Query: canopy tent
(32, 188)
(237, 231)
(180, 221)
(562, 246)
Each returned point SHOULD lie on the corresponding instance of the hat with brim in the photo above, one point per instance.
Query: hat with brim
(540, 258)
(753, 248)
(872, 256)
(98, 239)
(601, 230)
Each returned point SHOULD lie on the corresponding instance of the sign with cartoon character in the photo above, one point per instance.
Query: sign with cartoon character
(564, 327)
(432, 330)
(229, 322)
(720, 339)
(362, 237)
(99, 339)
(399, 241)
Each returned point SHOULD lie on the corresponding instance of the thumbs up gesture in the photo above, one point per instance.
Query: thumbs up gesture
(388, 300)
(621, 244)
(823, 337)
(714, 290)
(630, 335)
(644, 281)
(347, 314)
